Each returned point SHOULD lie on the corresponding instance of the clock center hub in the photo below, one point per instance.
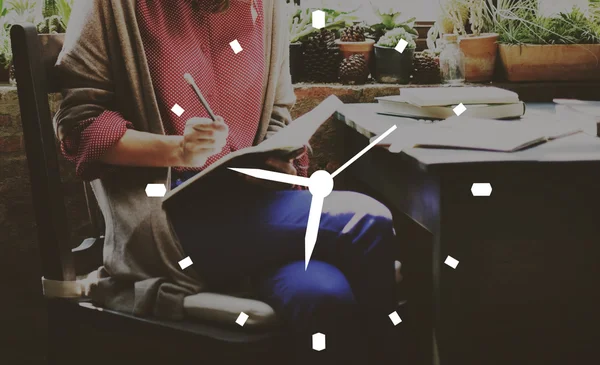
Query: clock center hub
(320, 183)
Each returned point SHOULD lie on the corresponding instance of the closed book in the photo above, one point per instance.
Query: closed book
(444, 96)
(397, 106)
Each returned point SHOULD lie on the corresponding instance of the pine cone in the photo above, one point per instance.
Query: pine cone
(354, 33)
(426, 69)
(321, 57)
(354, 70)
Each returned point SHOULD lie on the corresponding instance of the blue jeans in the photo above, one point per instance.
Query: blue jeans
(347, 292)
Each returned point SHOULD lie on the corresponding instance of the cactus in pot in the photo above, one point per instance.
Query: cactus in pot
(50, 8)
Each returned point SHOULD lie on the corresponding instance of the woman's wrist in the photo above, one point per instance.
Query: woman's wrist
(176, 148)
(146, 149)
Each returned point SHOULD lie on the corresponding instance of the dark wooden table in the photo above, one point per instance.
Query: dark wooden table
(525, 290)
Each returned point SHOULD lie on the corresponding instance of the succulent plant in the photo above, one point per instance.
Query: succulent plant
(50, 8)
(51, 25)
(390, 39)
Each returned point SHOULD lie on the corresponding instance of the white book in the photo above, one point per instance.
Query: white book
(397, 106)
(443, 96)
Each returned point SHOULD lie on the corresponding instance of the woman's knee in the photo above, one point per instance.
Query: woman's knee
(358, 205)
(363, 216)
(320, 291)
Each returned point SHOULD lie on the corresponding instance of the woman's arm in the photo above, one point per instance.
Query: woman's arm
(285, 98)
(201, 139)
(92, 132)
(137, 148)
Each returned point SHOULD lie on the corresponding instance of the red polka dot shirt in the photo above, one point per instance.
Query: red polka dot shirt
(181, 38)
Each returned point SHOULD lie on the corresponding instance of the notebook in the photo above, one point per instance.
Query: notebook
(479, 134)
(397, 106)
(295, 136)
(442, 96)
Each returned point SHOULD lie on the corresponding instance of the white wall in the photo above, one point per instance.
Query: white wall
(421, 9)
(425, 9)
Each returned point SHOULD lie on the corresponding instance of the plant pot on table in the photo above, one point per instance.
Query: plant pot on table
(297, 62)
(393, 67)
(364, 48)
(4, 75)
(556, 62)
(480, 53)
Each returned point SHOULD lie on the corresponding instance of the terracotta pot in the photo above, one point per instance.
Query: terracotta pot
(557, 62)
(480, 56)
(365, 48)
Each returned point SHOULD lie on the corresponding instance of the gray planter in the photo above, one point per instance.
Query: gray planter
(296, 62)
(393, 67)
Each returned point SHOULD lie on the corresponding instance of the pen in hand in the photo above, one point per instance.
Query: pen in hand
(190, 80)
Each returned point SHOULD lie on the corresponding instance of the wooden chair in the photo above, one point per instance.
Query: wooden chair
(79, 332)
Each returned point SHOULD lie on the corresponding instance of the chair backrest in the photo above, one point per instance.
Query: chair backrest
(34, 57)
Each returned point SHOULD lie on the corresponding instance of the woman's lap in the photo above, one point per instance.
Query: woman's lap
(262, 236)
(237, 235)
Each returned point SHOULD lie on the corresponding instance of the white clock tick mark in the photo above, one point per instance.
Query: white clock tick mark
(451, 261)
(185, 263)
(395, 318)
(318, 342)
(236, 47)
(459, 109)
(242, 318)
(178, 110)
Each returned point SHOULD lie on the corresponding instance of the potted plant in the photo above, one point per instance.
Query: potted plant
(6, 69)
(53, 22)
(5, 50)
(392, 66)
(320, 54)
(470, 20)
(533, 47)
(300, 20)
(353, 41)
(386, 20)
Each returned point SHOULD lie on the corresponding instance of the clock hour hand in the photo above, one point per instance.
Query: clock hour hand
(274, 176)
(358, 155)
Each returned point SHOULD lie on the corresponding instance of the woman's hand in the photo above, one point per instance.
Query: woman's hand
(202, 138)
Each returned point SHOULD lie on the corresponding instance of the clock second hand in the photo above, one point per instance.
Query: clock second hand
(358, 155)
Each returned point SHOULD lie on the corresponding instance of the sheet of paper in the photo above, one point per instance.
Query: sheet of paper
(476, 134)
(586, 116)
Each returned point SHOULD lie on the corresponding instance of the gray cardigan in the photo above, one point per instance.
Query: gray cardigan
(104, 67)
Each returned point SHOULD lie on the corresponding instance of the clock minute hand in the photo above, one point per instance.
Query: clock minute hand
(358, 155)
(274, 176)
